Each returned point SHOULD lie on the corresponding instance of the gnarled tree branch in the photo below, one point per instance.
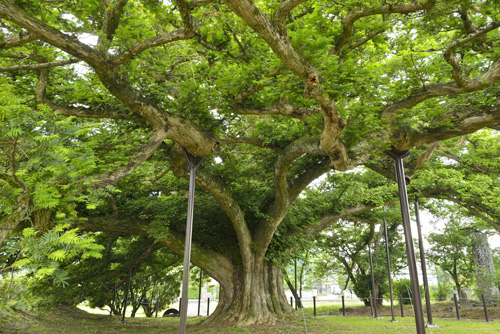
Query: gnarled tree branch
(41, 98)
(16, 40)
(454, 62)
(141, 155)
(353, 16)
(39, 66)
(281, 108)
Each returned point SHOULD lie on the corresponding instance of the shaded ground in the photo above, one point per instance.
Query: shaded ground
(68, 320)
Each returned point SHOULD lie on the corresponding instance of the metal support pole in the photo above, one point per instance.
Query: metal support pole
(424, 267)
(456, 306)
(126, 295)
(187, 243)
(485, 308)
(291, 301)
(314, 305)
(343, 306)
(199, 295)
(389, 268)
(157, 307)
(375, 315)
(410, 253)
(401, 305)
(208, 306)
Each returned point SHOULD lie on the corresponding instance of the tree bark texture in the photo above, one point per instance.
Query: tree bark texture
(254, 296)
(483, 262)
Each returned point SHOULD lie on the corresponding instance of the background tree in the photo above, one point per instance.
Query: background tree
(451, 250)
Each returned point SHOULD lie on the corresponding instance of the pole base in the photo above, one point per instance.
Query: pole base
(394, 321)
(122, 321)
(431, 326)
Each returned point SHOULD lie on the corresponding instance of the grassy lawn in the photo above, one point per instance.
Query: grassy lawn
(74, 321)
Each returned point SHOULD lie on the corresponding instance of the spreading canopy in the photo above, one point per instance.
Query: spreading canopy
(275, 93)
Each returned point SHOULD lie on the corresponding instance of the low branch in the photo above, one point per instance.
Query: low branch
(298, 184)
(281, 108)
(39, 66)
(40, 30)
(18, 39)
(329, 219)
(453, 61)
(41, 98)
(476, 210)
(24, 56)
(466, 121)
(164, 38)
(249, 141)
(426, 156)
(214, 47)
(490, 77)
(141, 155)
(366, 39)
(465, 162)
(213, 263)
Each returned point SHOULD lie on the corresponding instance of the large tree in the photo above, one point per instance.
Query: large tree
(274, 93)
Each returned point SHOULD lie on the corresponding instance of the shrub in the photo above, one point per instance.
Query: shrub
(403, 287)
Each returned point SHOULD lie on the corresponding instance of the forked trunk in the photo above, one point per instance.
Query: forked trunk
(252, 296)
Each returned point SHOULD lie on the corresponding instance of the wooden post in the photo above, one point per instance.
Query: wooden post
(401, 305)
(314, 305)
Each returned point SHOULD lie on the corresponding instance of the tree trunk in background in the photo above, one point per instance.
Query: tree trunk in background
(483, 262)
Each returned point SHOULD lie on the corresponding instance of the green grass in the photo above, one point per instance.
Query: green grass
(74, 321)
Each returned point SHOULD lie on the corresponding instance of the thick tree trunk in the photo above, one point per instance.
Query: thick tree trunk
(483, 262)
(252, 296)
